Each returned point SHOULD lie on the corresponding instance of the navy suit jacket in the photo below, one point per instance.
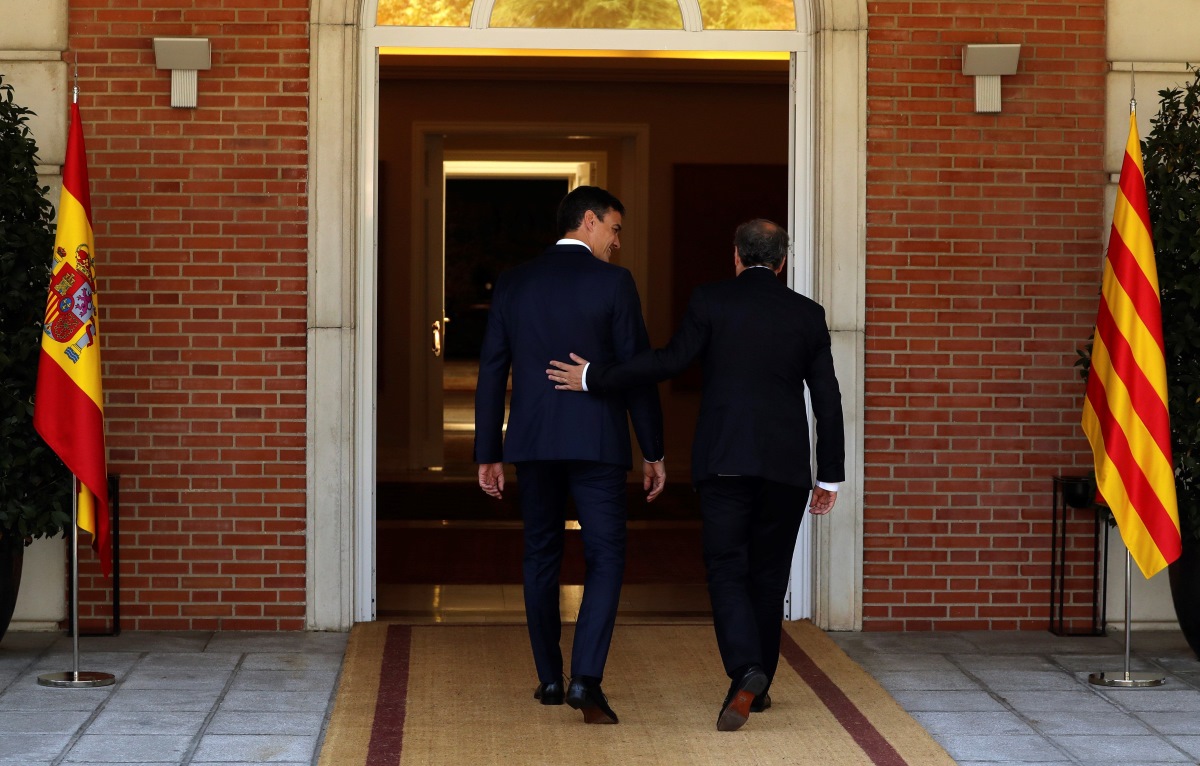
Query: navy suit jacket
(565, 300)
(760, 344)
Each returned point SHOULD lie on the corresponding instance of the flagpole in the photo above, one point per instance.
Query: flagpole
(75, 678)
(75, 576)
(1126, 679)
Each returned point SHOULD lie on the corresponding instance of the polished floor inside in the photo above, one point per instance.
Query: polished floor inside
(505, 603)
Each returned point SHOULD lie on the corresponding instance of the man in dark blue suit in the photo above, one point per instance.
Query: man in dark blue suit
(570, 297)
(761, 345)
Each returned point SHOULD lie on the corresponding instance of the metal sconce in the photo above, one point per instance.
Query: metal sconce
(986, 63)
(184, 56)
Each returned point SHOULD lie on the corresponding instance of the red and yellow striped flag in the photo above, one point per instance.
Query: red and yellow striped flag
(1125, 414)
(69, 408)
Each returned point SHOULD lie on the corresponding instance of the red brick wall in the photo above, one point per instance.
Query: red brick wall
(984, 239)
(201, 237)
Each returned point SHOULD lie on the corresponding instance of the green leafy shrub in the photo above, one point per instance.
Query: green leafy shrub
(1171, 154)
(34, 484)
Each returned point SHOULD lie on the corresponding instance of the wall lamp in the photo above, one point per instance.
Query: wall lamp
(184, 56)
(986, 63)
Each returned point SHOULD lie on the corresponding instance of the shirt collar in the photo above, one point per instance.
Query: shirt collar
(569, 241)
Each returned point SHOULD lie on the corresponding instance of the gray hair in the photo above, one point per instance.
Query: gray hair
(761, 243)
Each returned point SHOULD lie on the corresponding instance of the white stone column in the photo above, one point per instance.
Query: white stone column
(333, 214)
(32, 40)
(840, 55)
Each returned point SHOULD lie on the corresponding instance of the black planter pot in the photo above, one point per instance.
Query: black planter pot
(1078, 491)
(1184, 574)
(12, 556)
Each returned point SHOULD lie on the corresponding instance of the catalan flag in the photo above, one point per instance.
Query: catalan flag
(69, 408)
(1125, 414)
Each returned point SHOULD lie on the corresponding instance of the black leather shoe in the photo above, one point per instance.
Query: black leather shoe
(760, 703)
(550, 694)
(586, 697)
(742, 692)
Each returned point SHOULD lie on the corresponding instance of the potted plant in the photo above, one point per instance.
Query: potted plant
(34, 484)
(1171, 155)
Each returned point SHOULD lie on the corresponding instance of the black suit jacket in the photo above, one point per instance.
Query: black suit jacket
(565, 300)
(760, 344)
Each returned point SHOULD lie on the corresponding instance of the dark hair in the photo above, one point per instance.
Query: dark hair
(581, 200)
(761, 243)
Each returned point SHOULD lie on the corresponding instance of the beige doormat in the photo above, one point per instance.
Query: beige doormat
(463, 695)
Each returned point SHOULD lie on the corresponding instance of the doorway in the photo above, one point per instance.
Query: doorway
(673, 148)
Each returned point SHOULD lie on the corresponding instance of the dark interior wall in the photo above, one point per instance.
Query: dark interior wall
(718, 118)
(490, 223)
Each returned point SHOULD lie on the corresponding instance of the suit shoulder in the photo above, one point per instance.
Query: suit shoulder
(611, 274)
(610, 268)
(533, 269)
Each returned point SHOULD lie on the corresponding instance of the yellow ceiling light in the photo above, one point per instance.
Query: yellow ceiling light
(536, 53)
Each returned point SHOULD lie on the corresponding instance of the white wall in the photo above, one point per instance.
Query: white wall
(42, 599)
(1151, 599)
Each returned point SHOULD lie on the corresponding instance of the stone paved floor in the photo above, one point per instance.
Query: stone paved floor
(1009, 698)
(243, 698)
(186, 698)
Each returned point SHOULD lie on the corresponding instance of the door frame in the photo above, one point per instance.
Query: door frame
(799, 600)
(423, 373)
(828, 53)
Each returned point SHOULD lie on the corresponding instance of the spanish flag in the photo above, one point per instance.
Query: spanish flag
(69, 408)
(1125, 414)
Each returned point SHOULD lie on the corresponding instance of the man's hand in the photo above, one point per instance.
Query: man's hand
(567, 377)
(822, 501)
(491, 478)
(654, 479)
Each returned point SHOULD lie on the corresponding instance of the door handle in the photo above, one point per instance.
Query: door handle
(439, 335)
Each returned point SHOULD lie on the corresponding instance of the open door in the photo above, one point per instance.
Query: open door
(798, 602)
(429, 295)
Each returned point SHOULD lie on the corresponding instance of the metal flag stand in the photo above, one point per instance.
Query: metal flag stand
(1126, 679)
(75, 678)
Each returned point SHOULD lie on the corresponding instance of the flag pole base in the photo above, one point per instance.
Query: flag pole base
(1126, 680)
(76, 679)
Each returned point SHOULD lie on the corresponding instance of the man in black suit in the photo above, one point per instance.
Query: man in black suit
(760, 345)
(568, 446)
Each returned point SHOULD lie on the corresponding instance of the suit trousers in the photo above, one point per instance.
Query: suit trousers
(598, 490)
(749, 536)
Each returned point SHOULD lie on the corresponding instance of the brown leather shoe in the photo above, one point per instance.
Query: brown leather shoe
(742, 692)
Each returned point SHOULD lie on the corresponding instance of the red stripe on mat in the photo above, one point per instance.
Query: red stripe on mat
(387, 730)
(877, 748)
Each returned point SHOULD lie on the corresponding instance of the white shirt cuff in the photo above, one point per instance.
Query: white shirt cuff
(583, 380)
(831, 487)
